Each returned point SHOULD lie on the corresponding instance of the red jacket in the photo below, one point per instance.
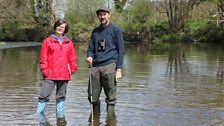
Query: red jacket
(57, 61)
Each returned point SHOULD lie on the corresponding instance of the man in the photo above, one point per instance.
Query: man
(105, 53)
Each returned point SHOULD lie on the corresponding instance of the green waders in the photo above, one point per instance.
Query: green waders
(103, 77)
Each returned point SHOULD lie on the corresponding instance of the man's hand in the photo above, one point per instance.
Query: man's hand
(89, 60)
(118, 74)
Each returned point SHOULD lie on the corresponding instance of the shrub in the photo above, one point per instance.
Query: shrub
(13, 31)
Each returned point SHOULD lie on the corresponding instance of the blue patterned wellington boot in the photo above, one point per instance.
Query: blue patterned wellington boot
(41, 107)
(60, 109)
(41, 119)
(40, 113)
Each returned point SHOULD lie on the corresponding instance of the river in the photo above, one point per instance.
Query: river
(162, 85)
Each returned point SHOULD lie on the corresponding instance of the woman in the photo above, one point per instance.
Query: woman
(57, 63)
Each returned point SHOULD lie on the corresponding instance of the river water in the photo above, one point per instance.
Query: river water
(162, 85)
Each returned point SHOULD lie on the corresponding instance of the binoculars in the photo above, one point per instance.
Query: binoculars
(101, 45)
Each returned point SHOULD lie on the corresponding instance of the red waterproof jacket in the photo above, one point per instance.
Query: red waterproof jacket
(57, 61)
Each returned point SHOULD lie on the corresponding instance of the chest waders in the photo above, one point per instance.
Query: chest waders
(95, 107)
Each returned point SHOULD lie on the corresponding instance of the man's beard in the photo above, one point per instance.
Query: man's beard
(103, 21)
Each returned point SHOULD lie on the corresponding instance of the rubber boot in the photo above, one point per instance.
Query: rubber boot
(42, 119)
(110, 109)
(96, 108)
(95, 114)
(111, 119)
(40, 113)
(41, 107)
(61, 122)
(60, 109)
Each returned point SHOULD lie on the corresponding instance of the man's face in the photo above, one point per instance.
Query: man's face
(103, 16)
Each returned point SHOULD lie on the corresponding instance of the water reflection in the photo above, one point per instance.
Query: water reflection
(61, 122)
(220, 63)
(42, 119)
(94, 119)
(177, 62)
(163, 85)
(111, 119)
(44, 122)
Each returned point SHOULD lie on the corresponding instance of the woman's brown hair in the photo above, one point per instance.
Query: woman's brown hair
(59, 22)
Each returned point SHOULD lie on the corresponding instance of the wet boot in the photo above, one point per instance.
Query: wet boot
(110, 109)
(42, 120)
(111, 119)
(40, 113)
(95, 114)
(61, 122)
(41, 107)
(60, 109)
(96, 108)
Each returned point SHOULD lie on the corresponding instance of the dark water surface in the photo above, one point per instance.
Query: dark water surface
(168, 85)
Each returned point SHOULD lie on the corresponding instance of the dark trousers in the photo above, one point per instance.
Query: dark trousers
(103, 77)
(49, 85)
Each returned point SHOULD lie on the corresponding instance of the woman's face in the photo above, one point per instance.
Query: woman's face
(60, 29)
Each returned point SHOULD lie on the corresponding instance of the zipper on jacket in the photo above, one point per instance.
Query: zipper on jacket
(60, 57)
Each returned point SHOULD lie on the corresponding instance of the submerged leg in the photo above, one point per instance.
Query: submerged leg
(60, 109)
(40, 113)
(41, 107)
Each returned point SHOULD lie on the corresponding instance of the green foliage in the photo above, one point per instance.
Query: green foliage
(38, 33)
(196, 28)
(12, 30)
(15, 31)
(212, 33)
(119, 5)
(205, 31)
(42, 12)
(202, 25)
(81, 16)
(195, 25)
(80, 31)
(172, 37)
(160, 28)
(140, 11)
(136, 19)
(138, 14)
(82, 10)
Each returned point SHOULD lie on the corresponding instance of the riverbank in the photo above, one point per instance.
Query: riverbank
(6, 45)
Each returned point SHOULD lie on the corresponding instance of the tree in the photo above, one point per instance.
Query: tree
(142, 19)
(177, 12)
(119, 4)
(220, 4)
(15, 10)
(81, 14)
(83, 10)
(42, 12)
(43, 16)
(15, 16)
